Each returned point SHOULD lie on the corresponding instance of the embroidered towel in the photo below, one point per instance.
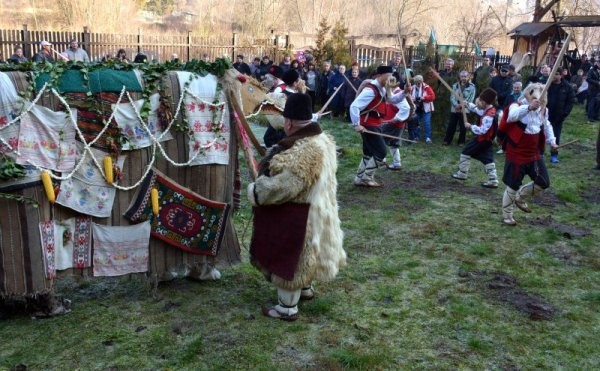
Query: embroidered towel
(186, 220)
(135, 134)
(87, 191)
(121, 250)
(200, 118)
(47, 138)
(66, 244)
(9, 106)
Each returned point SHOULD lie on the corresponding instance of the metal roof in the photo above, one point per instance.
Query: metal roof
(530, 29)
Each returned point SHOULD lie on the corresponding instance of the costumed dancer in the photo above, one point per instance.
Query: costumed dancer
(367, 112)
(296, 191)
(526, 131)
(291, 83)
(481, 146)
(395, 128)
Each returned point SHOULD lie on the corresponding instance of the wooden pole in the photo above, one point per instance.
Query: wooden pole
(388, 136)
(567, 144)
(457, 95)
(242, 118)
(349, 83)
(329, 100)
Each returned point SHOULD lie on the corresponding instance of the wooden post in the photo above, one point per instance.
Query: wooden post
(26, 43)
(233, 46)
(85, 41)
(189, 45)
(139, 40)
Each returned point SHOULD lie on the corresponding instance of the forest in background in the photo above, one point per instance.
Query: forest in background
(457, 22)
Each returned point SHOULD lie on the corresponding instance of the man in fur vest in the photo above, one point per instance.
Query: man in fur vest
(297, 236)
(526, 131)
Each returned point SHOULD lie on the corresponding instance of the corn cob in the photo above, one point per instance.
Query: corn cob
(108, 169)
(48, 186)
(154, 200)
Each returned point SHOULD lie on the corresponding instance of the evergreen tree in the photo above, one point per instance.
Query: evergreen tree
(321, 51)
(339, 44)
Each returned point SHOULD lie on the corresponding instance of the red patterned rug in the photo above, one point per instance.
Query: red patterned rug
(186, 220)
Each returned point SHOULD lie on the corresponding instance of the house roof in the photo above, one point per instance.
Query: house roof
(580, 21)
(530, 29)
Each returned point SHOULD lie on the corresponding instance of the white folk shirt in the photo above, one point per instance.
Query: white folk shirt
(366, 96)
(533, 121)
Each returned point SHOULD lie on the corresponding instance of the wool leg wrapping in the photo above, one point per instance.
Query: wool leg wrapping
(508, 203)
(360, 173)
(490, 170)
(528, 189)
(396, 160)
(288, 301)
(464, 163)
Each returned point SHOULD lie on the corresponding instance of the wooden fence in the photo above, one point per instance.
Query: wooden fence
(159, 47)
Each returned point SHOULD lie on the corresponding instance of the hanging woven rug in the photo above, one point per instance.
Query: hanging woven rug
(185, 220)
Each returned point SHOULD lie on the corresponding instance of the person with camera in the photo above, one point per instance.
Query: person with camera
(423, 97)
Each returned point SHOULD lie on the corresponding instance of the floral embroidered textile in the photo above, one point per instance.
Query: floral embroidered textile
(135, 134)
(47, 139)
(87, 191)
(186, 220)
(66, 244)
(199, 112)
(121, 250)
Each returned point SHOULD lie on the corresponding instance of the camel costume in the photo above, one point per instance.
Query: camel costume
(297, 236)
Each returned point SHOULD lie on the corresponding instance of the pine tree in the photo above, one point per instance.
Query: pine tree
(319, 52)
(339, 44)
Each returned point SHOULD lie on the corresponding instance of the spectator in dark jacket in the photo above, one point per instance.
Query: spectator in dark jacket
(502, 84)
(242, 66)
(264, 66)
(336, 82)
(18, 56)
(348, 92)
(561, 97)
(323, 82)
(593, 80)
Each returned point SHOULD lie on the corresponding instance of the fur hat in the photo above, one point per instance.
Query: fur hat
(384, 69)
(298, 107)
(276, 71)
(290, 76)
(488, 95)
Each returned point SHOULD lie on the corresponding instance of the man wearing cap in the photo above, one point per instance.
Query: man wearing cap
(296, 191)
(481, 147)
(45, 53)
(367, 112)
(502, 85)
(242, 66)
(75, 53)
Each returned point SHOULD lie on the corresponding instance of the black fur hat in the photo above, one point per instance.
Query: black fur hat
(384, 69)
(290, 76)
(488, 95)
(276, 71)
(298, 107)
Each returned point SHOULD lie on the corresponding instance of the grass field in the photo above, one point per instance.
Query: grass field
(434, 281)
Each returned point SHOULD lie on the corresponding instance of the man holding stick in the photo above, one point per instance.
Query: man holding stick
(367, 112)
(466, 89)
(45, 53)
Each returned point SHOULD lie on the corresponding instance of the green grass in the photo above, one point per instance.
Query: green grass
(401, 302)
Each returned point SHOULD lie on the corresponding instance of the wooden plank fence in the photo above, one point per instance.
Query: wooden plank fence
(158, 47)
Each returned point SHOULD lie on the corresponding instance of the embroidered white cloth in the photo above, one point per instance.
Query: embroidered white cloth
(134, 132)
(66, 244)
(47, 139)
(121, 249)
(201, 115)
(87, 191)
(9, 109)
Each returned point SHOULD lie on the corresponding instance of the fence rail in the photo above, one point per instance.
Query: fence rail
(157, 47)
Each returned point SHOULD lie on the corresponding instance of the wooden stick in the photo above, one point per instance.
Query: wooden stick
(240, 114)
(557, 63)
(388, 136)
(60, 55)
(329, 100)
(347, 79)
(456, 94)
(567, 144)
